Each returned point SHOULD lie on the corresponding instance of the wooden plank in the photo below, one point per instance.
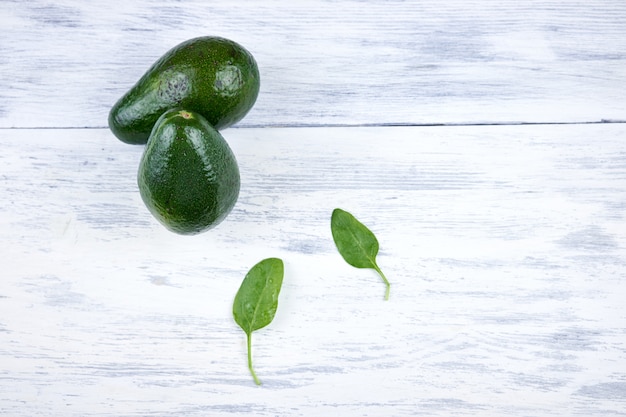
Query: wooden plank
(329, 63)
(504, 246)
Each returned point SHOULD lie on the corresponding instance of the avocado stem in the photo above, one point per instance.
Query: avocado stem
(185, 114)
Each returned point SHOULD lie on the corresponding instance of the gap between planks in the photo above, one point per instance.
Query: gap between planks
(393, 124)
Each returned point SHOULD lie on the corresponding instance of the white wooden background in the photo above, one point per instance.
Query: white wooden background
(484, 142)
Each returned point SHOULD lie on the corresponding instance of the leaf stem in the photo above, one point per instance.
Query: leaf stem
(385, 280)
(249, 343)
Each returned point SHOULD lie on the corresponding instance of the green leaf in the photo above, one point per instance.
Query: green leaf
(356, 243)
(257, 300)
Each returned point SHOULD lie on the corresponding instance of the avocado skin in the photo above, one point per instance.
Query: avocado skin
(213, 76)
(188, 176)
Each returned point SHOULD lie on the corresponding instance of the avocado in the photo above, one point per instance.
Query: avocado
(213, 76)
(188, 176)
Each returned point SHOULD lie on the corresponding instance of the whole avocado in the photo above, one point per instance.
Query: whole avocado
(188, 176)
(213, 76)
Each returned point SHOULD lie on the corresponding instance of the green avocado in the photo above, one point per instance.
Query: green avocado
(213, 76)
(188, 176)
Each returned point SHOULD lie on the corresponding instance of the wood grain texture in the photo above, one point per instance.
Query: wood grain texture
(64, 64)
(504, 246)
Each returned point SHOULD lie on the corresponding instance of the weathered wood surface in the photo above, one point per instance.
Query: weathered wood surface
(504, 246)
(63, 64)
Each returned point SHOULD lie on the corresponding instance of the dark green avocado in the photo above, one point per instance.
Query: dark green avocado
(188, 176)
(213, 76)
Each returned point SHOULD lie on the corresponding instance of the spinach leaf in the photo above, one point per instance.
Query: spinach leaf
(257, 300)
(356, 243)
